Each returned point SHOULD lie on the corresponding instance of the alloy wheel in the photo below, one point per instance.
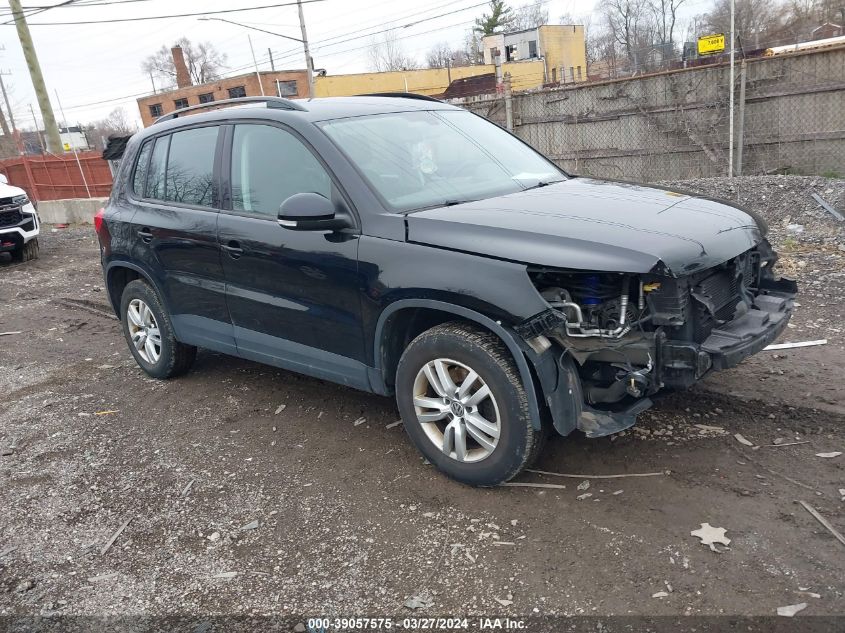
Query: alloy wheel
(457, 410)
(143, 330)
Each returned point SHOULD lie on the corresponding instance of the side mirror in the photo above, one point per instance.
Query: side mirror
(3, 179)
(310, 212)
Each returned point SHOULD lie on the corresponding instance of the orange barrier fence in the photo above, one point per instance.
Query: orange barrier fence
(49, 177)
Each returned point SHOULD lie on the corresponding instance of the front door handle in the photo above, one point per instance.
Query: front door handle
(234, 249)
(146, 235)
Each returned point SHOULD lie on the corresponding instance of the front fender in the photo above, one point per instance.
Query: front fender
(507, 336)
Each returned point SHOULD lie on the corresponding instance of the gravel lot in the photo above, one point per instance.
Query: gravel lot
(249, 490)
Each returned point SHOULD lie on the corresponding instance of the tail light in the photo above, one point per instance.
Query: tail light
(98, 220)
(102, 230)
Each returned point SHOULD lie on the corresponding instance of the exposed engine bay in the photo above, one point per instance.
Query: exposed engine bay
(632, 335)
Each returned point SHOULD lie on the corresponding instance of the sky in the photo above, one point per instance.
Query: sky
(95, 68)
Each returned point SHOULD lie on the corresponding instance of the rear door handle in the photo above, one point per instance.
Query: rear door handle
(146, 235)
(233, 248)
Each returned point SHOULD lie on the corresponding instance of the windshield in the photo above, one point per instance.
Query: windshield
(416, 160)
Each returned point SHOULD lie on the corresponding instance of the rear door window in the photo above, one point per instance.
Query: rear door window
(190, 167)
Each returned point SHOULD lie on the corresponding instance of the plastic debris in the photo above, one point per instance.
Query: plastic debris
(393, 424)
(829, 455)
(790, 610)
(794, 345)
(102, 578)
(252, 525)
(9, 333)
(114, 537)
(586, 495)
(826, 206)
(419, 602)
(280, 408)
(827, 524)
(660, 594)
(359, 421)
(739, 438)
(584, 485)
(531, 485)
(710, 535)
(546, 472)
(504, 603)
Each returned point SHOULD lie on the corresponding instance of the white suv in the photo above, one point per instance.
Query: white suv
(19, 225)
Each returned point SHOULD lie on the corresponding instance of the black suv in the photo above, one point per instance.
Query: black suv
(397, 244)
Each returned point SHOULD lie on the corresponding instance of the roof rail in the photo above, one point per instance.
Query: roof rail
(403, 95)
(277, 103)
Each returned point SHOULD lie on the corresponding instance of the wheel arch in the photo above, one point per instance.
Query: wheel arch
(405, 319)
(118, 276)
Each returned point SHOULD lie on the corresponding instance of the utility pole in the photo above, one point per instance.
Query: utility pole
(37, 131)
(15, 136)
(272, 63)
(54, 142)
(731, 106)
(309, 63)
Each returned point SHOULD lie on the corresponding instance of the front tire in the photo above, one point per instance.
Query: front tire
(149, 333)
(464, 405)
(26, 252)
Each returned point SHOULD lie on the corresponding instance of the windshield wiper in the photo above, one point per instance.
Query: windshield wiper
(437, 205)
(542, 183)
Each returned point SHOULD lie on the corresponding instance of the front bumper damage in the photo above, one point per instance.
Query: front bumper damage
(672, 363)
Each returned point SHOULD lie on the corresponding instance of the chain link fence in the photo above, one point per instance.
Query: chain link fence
(789, 117)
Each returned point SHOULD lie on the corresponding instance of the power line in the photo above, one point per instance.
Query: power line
(168, 17)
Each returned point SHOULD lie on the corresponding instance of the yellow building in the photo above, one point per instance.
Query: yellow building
(429, 81)
(561, 47)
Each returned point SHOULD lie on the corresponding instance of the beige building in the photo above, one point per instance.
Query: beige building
(561, 47)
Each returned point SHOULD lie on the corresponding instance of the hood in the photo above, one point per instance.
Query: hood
(586, 224)
(8, 191)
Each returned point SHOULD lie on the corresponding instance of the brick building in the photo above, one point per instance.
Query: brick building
(283, 83)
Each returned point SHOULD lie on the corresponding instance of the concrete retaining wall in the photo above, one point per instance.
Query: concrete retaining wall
(72, 211)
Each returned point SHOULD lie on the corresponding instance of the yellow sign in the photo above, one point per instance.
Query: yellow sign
(67, 147)
(711, 44)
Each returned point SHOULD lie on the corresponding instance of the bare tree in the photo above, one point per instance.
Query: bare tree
(631, 24)
(529, 16)
(757, 21)
(442, 55)
(800, 17)
(666, 18)
(205, 63)
(386, 54)
(117, 123)
(439, 55)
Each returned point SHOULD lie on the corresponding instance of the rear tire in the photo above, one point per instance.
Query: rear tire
(149, 333)
(26, 252)
(474, 438)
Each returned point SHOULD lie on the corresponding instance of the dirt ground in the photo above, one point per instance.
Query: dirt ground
(350, 520)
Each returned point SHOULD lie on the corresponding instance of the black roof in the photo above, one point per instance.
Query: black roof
(311, 110)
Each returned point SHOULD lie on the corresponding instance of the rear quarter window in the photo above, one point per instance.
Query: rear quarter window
(139, 177)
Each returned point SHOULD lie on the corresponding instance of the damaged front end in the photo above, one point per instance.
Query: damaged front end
(611, 340)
